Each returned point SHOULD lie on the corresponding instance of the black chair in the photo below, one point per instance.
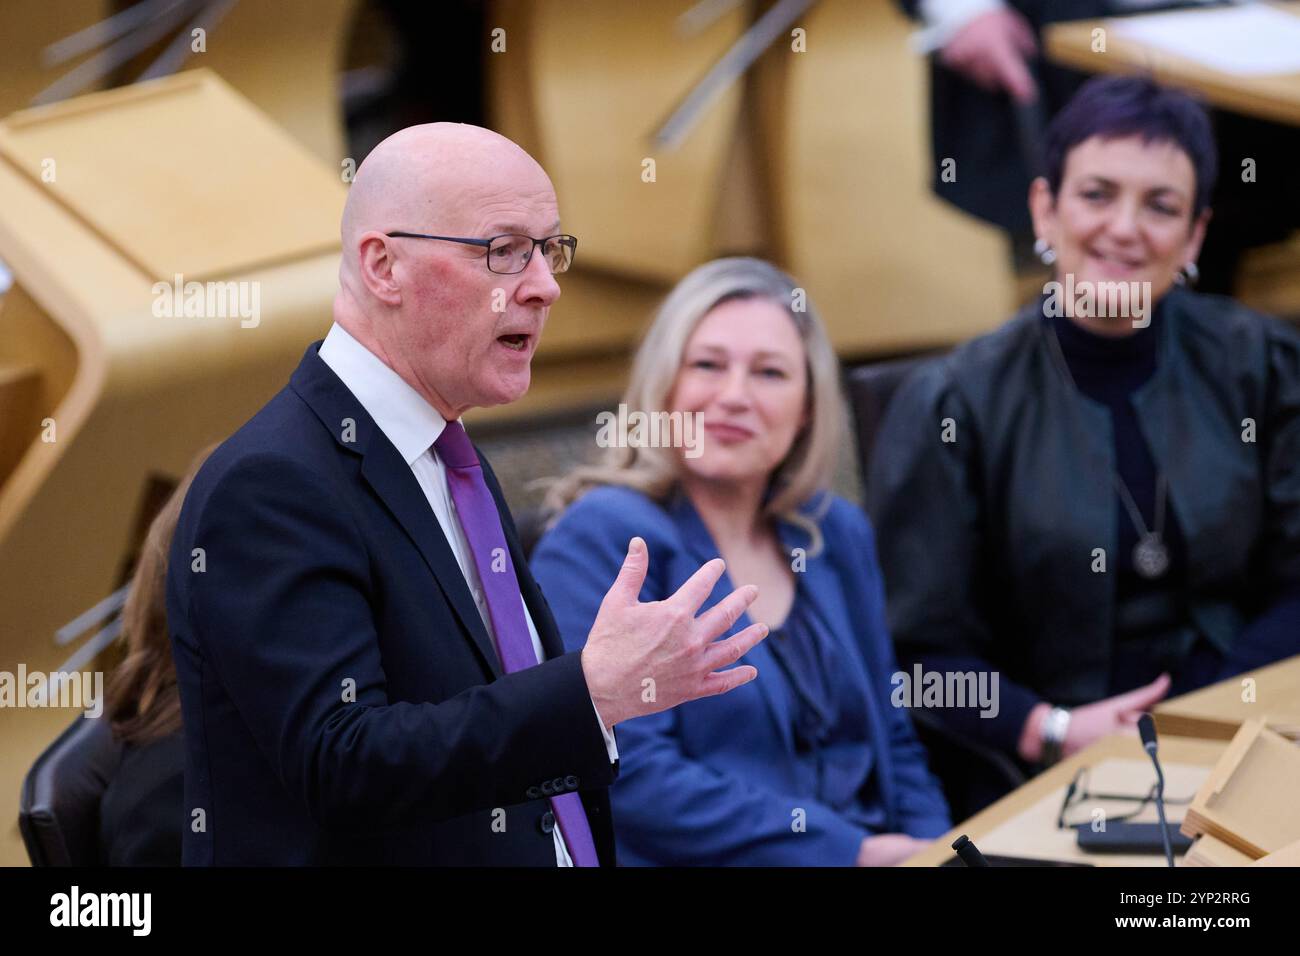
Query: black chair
(58, 812)
(973, 775)
(870, 389)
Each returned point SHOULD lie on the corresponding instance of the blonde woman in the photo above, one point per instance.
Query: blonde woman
(809, 763)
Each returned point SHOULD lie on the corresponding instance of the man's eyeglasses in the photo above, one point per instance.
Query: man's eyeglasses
(510, 254)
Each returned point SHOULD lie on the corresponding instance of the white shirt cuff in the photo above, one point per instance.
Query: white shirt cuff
(610, 746)
(944, 18)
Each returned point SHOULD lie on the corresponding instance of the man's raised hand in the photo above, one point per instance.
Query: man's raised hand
(641, 658)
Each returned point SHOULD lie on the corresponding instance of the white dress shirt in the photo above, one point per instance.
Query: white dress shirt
(413, 425)
(944, 19)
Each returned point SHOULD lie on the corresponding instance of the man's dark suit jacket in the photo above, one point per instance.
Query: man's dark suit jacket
(343, 702)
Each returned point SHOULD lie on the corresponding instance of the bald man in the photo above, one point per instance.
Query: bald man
(368, 672)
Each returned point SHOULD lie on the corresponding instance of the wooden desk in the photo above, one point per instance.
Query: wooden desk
(1172, 750)
(1274, 98)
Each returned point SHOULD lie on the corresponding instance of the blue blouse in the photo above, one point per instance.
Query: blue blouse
(830, 719)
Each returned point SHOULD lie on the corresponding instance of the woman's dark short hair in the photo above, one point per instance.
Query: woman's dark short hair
(1118, 106)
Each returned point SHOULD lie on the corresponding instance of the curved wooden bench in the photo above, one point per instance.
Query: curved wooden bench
(181, 175)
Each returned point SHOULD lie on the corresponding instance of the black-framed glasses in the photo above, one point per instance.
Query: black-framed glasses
(510, 253)
(1116, 806)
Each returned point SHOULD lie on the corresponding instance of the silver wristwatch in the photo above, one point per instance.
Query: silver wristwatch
(1053, 733)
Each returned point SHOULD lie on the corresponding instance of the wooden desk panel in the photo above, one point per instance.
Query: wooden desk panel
(1274, 98)
(181, 175)
(1217, 711)
(1172, 750)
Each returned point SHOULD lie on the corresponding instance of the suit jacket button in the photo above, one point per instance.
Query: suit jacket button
(546, 821)
(548, 787)
(534, 793)
(557, 785)
(571, 782)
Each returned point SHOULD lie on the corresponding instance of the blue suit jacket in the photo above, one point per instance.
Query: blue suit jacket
(342, 700)
(716, 781)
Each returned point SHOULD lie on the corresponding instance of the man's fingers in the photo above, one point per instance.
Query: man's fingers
(698, 586)
(627, 586)
(957, 58)
(720, 682)
(725, 653)
(1022, 35)
(718, 619)
(1014, 75)
(976, 69)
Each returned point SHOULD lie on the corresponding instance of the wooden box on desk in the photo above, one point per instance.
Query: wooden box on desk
(1248, 802)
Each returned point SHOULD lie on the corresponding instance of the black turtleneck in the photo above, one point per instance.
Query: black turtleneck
(1108, 370)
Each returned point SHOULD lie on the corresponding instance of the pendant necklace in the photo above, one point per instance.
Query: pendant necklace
(1150, 554)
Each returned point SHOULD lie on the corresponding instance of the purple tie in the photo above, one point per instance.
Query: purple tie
(481, 523)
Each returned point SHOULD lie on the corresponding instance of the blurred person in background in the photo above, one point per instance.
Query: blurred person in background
(992, 89)
(810, 764)
(140, 815)
(1104, 509)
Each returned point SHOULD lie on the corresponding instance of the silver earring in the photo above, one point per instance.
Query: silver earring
(1187, 275)
(1044, 252)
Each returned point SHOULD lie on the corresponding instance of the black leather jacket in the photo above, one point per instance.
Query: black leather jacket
(987, 541)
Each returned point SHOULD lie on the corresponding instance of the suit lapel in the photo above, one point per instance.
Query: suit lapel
(831, 594)
(391, 479)
(823, 588)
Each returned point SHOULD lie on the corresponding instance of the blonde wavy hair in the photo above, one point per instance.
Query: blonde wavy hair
(806, 472)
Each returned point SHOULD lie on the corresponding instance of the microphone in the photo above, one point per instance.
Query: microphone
(969, 853)
(1147, 731)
